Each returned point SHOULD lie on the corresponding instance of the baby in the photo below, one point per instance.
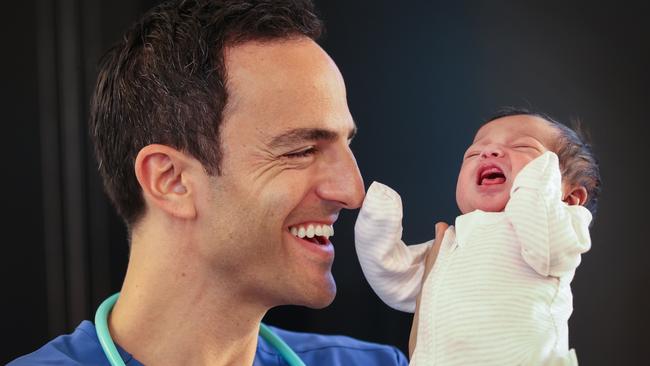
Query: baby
(499, 290)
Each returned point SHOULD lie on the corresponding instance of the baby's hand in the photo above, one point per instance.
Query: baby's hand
(382, 207)
(541, 173)
(381, 194)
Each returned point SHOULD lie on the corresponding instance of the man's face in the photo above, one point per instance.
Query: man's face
(287, 171)
(500, 150)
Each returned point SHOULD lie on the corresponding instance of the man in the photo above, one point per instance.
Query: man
(222, 133)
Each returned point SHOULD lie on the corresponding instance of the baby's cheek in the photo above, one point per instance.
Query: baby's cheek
(521, 163)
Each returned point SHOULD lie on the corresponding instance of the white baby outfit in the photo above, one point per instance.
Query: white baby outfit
(499, 292)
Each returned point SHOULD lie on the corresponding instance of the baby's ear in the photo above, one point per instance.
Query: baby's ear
(576, 196)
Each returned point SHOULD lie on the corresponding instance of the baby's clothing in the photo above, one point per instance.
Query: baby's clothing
(499, 292)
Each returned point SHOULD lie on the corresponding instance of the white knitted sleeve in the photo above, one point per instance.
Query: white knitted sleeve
(553, 234)
(393, 269)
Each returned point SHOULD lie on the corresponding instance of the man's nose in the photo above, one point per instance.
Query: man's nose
(342, 182)
(492, 151)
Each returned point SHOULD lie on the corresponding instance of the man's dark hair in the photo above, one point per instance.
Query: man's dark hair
(165, 83)
(578, 163)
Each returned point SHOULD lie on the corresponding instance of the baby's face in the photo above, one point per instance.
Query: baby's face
(500, 150)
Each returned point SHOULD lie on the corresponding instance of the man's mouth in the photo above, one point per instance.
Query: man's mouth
(315, 233)
(490, 175)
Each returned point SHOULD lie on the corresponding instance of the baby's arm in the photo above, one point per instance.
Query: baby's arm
(552, 233)
(393, 269)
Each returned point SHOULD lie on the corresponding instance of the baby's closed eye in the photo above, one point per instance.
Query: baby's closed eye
(525, 147)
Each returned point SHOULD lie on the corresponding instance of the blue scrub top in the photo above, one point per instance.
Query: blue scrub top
(82, 347)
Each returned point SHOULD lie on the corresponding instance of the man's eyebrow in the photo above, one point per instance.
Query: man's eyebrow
(297, 135)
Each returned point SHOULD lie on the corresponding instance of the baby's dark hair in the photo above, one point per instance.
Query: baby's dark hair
(578, 163)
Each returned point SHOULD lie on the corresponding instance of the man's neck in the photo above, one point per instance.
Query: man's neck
(172, 313)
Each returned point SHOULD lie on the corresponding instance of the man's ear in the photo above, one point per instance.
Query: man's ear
(576, 196)
(164, 176)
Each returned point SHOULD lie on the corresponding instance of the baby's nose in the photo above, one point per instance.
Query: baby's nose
(492, 151)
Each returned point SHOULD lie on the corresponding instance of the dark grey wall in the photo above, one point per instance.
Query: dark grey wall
(420, 79)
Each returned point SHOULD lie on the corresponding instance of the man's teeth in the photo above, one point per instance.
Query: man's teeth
(312, 230)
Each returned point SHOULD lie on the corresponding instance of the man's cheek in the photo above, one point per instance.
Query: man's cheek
(274, 206)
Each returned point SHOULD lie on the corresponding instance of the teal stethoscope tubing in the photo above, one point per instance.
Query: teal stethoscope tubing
(114, 358)
(101, 325)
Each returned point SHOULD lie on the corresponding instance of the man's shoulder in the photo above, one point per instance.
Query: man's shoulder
(81, 347)
(321, 349)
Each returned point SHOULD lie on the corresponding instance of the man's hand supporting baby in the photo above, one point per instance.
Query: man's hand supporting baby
(430, 260)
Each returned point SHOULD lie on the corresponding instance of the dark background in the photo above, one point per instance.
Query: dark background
(420, 76)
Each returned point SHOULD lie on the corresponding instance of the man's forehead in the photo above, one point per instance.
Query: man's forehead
(293, 80)
(277, 61)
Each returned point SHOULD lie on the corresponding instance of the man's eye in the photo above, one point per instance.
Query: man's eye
(301, 153)
(471, 155)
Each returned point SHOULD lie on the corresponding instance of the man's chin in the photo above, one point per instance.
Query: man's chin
(321, 303)
(320, 297)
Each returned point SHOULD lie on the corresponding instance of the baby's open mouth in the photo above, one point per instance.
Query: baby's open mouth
(490, 175)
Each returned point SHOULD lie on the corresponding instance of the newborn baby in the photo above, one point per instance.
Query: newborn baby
(499, 290)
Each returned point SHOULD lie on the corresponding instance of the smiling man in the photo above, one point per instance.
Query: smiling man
(222, 133)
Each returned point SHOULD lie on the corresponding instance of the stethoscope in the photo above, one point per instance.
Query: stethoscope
(114, 358)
